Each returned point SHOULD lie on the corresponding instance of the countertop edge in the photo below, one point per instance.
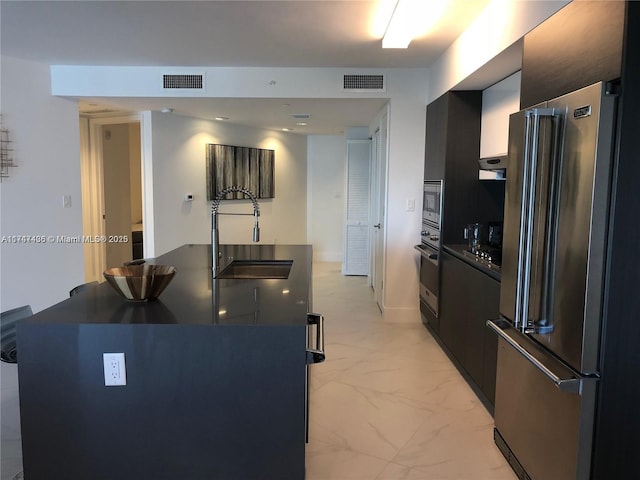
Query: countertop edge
(456, 251)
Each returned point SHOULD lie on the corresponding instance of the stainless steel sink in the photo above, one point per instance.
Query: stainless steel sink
(255, 269)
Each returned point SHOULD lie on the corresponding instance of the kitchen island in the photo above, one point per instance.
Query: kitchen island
(216, 376)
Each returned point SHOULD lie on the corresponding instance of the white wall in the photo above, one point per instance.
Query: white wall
(178, 145)
(405, 171)
(500, 25)
(325, 196)
(46, 143)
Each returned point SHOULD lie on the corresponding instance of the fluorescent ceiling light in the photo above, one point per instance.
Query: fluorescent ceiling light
(411, 19)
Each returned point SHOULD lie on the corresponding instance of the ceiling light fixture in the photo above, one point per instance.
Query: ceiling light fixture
(287, 129)
(166, 110)
(409, 19)
(222, 118)
(302, 124)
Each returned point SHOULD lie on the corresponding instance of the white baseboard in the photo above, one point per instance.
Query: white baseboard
(327, 256)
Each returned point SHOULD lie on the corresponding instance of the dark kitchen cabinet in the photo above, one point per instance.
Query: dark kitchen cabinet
(207, 396)
(452, 150)
(435, 139)
(468, 299)
(581, 44)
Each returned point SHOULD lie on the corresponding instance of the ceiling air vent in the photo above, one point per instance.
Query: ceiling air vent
(183, 81)
(364, 83)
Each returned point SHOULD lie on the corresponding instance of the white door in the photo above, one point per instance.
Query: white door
(356, 247)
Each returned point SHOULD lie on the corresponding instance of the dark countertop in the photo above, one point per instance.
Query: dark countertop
(195, 298)
(458, 252)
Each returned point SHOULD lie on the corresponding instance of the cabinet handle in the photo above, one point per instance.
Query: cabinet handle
(316, 355)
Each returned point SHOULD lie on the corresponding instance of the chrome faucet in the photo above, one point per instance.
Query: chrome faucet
(215, 240)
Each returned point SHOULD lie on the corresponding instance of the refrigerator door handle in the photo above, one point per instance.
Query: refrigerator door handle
(522, 276)
(525, 246)
(568, 383)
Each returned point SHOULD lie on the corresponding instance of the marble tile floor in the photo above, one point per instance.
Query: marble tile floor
(388, 404)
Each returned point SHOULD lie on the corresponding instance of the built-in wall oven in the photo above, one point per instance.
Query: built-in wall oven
(429, 247)
(432, 202)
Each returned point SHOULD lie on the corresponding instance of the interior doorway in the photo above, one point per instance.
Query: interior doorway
(111, 192)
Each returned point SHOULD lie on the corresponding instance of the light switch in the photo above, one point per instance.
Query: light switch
(66, 201)
(410, 204)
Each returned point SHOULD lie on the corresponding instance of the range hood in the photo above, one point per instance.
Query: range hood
(497, 162)
(493, 168)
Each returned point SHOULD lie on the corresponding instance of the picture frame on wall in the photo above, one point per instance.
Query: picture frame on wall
(248, 167)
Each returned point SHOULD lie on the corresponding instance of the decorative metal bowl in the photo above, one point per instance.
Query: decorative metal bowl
(140, 283)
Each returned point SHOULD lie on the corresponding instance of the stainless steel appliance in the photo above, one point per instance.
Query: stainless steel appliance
(432, 202)
(429, 247)
(553, 265)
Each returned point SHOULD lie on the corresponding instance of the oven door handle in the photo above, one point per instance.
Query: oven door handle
(428, 253)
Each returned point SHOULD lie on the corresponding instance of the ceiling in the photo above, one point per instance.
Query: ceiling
(263, 33)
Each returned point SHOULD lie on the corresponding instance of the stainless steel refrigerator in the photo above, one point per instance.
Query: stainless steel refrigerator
(553, 268)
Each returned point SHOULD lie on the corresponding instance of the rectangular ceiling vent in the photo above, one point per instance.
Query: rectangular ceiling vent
(183, 81)
(364, 83)
(301, 116)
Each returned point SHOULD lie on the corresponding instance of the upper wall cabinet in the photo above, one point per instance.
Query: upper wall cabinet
(579, 45)
(498, 102)
(452, 150)
(452, 132)
(435, 139)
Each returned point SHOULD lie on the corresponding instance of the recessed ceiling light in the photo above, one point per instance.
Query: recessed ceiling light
(302, 123)
(166, 110)
(287, 129)
(222, 118)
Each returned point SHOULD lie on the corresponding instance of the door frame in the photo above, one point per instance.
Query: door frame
(380, 165)
(92, 180)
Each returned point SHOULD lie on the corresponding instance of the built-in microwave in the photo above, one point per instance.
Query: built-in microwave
(432, 201)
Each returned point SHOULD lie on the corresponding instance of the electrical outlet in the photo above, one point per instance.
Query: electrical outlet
(115, 372)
